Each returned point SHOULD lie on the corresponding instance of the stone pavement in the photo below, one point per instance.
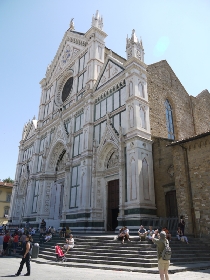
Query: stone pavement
(45, 271)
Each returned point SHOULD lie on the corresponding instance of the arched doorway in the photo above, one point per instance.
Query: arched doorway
(56, 164)
(113, 205)
(113, 191)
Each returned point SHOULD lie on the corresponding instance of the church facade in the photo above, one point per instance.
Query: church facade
(107, 129)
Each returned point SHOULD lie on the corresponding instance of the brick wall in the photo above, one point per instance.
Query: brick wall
(198, 159)
(163, 172)
(201, 111)
(163, 84)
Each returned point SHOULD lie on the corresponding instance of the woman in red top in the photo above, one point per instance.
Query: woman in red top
(5, 242)
(15, 242)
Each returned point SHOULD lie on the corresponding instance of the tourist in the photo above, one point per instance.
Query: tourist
(23, 240)
(69, 244)
(168, 235)
(163, 265)
(32, 231)
(181, 224)
(142, 233)
(42, 226)
(48, 237)
(125, 235)
(5, 242)
(15, 242)
(121, 233)
(180, 236)
(68, 231)
(63, 232)
(26, 256)
(149, 233)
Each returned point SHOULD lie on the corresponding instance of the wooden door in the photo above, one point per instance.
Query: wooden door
(113, 205)
(171, 204)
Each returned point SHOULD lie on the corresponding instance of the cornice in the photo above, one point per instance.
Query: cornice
(136, 61)
(109, 88)
(94, 30)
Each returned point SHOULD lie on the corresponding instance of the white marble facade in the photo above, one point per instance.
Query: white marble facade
(93, 128)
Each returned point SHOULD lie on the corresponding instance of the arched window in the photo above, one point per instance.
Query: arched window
(141, 90)
(130, 88)
(169, 120)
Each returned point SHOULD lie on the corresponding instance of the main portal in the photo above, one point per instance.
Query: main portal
(113, 205)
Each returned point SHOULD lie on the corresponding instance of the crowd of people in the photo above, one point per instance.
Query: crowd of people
(147, 234)
(22, 237)
(161, 239)
(10, 240)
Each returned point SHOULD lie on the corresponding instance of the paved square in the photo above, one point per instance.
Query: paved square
(9, 267)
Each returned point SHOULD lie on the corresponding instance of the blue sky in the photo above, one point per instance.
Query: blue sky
(31, 31)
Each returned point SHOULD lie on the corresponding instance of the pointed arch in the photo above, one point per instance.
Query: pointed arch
(130, 88)
(145, 175)
(169, 120)
(131, 116)
(133, 194)
(143, 117)
(141, 90)
(55, 156)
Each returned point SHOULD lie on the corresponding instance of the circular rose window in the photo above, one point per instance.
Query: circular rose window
(67, 89)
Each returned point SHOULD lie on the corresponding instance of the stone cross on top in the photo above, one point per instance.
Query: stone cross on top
(109, 69)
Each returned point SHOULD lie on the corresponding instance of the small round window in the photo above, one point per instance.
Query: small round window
(67, 89)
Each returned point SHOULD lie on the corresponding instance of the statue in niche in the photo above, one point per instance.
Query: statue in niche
(72, 24)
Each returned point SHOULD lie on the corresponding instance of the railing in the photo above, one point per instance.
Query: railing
(160, 222)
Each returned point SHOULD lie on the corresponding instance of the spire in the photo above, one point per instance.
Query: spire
(133, 37)
(97, 21)
(134, 47)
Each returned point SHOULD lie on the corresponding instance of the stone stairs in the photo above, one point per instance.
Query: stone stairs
(104, 250)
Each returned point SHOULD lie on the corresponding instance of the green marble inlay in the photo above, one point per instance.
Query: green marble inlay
(140, 211)
(83, 224)
(78, 216)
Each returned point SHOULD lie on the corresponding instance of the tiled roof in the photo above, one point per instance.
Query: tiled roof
(6, 184)
(190, 138)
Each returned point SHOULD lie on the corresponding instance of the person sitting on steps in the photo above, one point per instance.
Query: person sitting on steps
(180, 236)
(149, 233)
(126, 235)
(69, 244)
(142, 233)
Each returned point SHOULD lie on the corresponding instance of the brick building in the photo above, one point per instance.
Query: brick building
(181, 151)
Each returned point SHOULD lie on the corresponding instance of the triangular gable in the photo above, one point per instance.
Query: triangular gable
(30, 129)
(110, 69)
(59, 136)
(109, 136)
(72, 43)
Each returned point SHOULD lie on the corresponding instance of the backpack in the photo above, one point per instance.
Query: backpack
(166, 254)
